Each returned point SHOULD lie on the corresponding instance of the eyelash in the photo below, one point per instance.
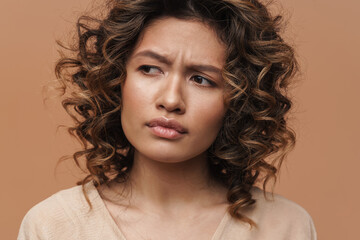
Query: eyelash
(143, 69)
(211, 83)
(146, 68)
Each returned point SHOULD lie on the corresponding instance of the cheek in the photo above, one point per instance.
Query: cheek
(132, 101)
(209, 114)
(210, 106)
(134, 98)
(206, 122)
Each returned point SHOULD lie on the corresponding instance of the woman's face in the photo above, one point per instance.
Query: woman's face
(173, 95)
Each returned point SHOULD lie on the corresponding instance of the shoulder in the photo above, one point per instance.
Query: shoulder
(273, 205)
(55, 214)
(277, 215)
(276, 218)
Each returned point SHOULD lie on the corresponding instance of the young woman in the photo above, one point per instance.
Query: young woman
(181, 107)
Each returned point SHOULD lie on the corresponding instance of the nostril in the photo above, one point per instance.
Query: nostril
(171, 101)
(172, 108)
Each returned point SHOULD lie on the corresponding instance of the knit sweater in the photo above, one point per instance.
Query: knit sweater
(66, 215)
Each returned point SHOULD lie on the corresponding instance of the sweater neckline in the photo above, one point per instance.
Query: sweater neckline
(99, 203)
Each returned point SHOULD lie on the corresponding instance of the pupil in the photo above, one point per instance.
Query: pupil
(198, 79)
(147, 68)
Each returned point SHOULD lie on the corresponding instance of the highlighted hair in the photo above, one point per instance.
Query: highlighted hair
(258, 69)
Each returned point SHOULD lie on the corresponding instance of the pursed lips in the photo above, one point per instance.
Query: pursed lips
(167, 123)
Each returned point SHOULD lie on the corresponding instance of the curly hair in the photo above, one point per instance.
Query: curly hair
(255, 136)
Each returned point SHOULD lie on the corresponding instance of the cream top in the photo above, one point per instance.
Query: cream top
(66, 215)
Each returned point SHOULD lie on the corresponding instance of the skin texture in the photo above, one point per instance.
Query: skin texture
(174, 89)
(170, 186)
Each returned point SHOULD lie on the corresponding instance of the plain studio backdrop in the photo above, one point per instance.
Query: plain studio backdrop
(321, 174)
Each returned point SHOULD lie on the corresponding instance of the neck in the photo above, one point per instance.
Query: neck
(170, 187)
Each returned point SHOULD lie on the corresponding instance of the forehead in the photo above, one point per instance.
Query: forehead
(189, 38)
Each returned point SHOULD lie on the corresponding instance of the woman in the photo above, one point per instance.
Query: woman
(181, 108)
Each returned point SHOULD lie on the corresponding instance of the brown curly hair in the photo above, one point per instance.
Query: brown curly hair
(255, 136)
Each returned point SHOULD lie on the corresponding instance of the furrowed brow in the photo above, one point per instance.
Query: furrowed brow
(154, 55)
(163, 59)
(206, 68)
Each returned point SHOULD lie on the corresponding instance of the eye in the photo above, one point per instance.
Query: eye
(202, 81)
(149, 70)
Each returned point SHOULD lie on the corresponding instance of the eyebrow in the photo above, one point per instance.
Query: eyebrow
(163, 59)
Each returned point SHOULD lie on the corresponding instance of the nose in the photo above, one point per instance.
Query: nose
(171, 95)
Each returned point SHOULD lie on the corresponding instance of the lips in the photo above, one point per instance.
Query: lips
(167, 123)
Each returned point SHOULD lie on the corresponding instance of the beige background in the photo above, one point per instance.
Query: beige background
(322, 173)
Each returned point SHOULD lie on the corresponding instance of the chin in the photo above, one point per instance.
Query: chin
(167, 155)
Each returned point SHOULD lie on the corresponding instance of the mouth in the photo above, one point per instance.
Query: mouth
(166, 128)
